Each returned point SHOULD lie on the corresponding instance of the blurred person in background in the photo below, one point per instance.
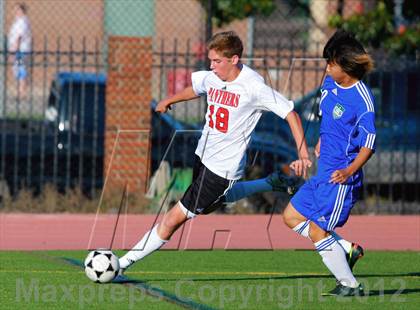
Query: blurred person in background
(20, 41)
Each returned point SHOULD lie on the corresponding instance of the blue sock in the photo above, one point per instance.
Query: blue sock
(246, 188)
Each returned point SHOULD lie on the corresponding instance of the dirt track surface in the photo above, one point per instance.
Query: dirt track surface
(84, 231)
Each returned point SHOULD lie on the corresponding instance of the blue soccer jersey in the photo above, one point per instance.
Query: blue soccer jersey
(348, 123)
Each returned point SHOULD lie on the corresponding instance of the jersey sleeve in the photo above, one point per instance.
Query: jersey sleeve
(269, 99)
(367, 130)
(199, 82)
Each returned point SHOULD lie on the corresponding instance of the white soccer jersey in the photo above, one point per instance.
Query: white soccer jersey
(233, 111)
(21, 27)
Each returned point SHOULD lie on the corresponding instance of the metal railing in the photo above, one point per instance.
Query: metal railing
(49, 135)
(392, 175)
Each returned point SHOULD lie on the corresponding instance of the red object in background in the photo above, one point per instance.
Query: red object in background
(200, 51)
(359, 8)
(401, 29)
(178, 79)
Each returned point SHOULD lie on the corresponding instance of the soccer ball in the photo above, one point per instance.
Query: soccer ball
(101, 266)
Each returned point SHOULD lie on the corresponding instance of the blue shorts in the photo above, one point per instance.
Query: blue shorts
(19, 67)
(326, 204)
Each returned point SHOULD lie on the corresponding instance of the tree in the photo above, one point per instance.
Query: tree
(376, 29)
(226, 11)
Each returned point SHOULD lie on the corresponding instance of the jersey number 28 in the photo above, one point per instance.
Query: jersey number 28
(221, 119)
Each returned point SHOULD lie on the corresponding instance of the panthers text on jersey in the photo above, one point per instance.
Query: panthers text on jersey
(233, 111)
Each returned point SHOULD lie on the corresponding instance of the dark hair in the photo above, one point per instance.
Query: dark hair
(346, 51)
(22, 6)
(228, 43)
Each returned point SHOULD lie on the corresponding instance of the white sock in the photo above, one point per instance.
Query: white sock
(344, 243)
(334, 258)
(148, 244)
(302, 228)
(246, 188)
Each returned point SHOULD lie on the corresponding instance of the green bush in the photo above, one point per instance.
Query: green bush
(376, 29)
(226, 11)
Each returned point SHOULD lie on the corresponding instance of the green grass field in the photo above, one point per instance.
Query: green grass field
(207, 280)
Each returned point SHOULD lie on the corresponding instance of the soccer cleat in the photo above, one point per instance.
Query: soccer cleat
(356, 252)
(282, 183)
(346, 291)
(121, 271)
(120, 277)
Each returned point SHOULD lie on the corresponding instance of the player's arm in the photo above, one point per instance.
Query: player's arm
(15, 45)
(367, 138)
(299, 166)
(184, 95)
(271, 100)
(341, 176)
(317, 149)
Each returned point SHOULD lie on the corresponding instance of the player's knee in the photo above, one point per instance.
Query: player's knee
(170, 223)
(288, 217)
(316, 233)
(173, 219)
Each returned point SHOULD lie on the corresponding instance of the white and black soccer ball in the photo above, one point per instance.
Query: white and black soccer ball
(101, 266)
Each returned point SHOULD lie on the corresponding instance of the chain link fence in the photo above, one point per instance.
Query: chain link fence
(293, 29)
(72, 37)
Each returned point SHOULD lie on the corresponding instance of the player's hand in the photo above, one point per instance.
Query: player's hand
(162, 107)
(317, 152)
(317, 149)
(340, 176)
(300, 167)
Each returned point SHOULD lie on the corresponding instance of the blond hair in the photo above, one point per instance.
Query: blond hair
(227, 43)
